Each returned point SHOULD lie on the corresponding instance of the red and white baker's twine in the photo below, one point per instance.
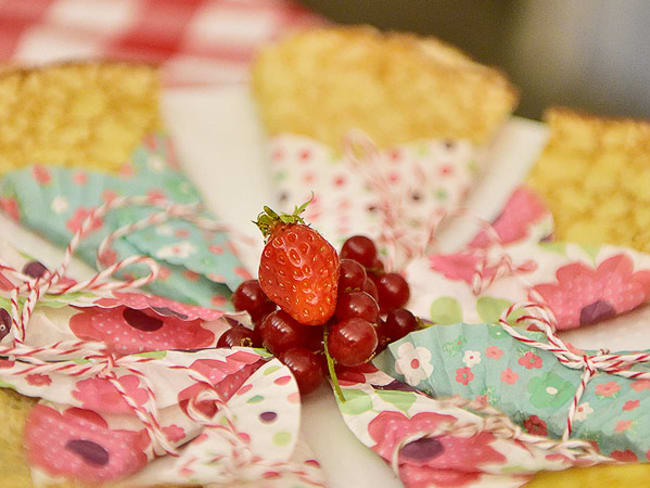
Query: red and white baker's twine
(97, 363)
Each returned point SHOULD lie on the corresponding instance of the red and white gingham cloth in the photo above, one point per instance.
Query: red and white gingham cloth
(198, 42)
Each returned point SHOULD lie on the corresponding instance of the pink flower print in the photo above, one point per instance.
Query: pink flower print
(10, 207)
(447, 460)
(530, 361)
(339, 181)
(446, 170)
(277, 155)
(464, 375)
(163, 273)
(162, 306)
(109, 195)
(640, 385)
(623, 425)
(38, 379)
(182, 233)
(75, 222)
(242, 273)
(509, 376)
(80, 178)
(393, 177)
(214, 249)
(395, 154)
(458, 266)
(41, 175)
(108, 257)
(608, 389)
(226, 376)
(523, 209)
(155, 195)
(536, 426)
(493, 352)
(304, 155)
(99, 394)
(127, 331)
(308, 177)
(174, 433)
(583, 295)
(218, 300)
(78, 444)
(191, 275)
(626, 456)
(631, 405)
(127, 171)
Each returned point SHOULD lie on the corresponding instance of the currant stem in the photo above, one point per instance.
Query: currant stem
(330, 367)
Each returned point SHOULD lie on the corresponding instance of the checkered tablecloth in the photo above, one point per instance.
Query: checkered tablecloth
(196, 41)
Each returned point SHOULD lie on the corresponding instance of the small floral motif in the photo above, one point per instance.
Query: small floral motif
(623, 425)
(493, 352)
(76, 221)
(631, 405)
(108, 257)
(10, 207)
(626, 456)
(471, 358)
(174, 433)
(183, 249)
(99, 394)
(582, 412)
(550, 391)
(59, 204)
(464, 375)
(414, 363)
(530, 361)
(509, 376)
(80, 178)
(536, 426)
(640, 385)
(38, 379)
(41, 175)
(609, 389)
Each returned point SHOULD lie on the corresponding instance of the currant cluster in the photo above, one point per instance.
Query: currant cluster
(368, 314)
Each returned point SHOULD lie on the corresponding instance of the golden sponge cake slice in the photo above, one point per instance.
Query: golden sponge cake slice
(87, 114)
(595, 176)
(397, 88)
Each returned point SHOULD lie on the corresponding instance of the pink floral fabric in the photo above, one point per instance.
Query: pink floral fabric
(80, 444)
(583, 295)
(128, 331)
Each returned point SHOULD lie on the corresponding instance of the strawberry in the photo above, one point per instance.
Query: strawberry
(299, 269)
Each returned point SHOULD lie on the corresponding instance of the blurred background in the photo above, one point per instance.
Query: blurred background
(589, 54)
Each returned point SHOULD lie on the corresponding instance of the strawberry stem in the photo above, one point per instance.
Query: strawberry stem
(269, 218)
(330, 367)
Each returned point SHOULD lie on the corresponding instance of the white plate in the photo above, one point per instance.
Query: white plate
(222, 146)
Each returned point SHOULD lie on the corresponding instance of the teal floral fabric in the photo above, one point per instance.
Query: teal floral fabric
(197, 267)
(530, 385)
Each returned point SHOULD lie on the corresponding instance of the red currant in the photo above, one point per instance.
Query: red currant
(305, 366)
(393, 291)
(398, 323)
(361, 249)
(357, 304)
(377, 266)
(281, 332)
(352, 342)
(249, 297)
(352, 275)
(370, 288)
(238, 336)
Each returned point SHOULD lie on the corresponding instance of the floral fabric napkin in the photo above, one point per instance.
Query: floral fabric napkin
(198, 267)
(107, 366)
(580, 284)
(395, 196)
